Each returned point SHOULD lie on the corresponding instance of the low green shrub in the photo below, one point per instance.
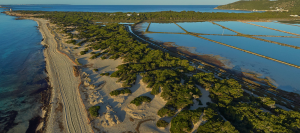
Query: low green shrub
(71, 41)
(104, 74)
(95, 70)
(94, 111)
(82, 52)
(103, 57)
(118, 92)
(139, 100)
(85, 51)
(95, 55)
(155, 89)
(166, 111)
(162, 123)
(75, 48)
(199, 102)
(184, 120)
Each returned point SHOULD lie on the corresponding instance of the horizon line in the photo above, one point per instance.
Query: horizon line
(102, 5)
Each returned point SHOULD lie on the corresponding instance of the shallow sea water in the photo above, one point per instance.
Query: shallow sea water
(22, 75)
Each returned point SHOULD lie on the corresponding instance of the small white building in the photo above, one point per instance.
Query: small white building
(10, 9)
(294, 15)
(129, 15)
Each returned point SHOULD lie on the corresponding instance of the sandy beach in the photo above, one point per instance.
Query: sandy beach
(66, 114)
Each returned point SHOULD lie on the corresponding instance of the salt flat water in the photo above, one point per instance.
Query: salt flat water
(142, 26)
(279, 52)
(284, 76)
(284, 27)
(21, 74)
(290, 41)
(204, 27)
(251, 29)
(165, 27)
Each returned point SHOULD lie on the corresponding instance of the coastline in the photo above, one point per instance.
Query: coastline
(51, 99)
(47, 95)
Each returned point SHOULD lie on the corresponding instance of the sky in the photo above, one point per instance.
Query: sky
(120, 2)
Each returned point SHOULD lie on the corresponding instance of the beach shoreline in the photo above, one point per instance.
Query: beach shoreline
(53, 96)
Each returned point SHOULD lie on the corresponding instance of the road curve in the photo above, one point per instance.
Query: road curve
(65, 87)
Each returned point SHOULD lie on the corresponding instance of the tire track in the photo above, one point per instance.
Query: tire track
(65, 85)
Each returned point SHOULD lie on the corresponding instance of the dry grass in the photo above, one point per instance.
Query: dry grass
(59, 107)
(76, 71)
(131, 119)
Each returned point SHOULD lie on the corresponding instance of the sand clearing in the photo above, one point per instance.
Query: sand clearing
(65, 89)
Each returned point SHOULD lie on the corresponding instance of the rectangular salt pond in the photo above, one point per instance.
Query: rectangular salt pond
(141, 27)
(278, 26)
(165, 27)
(204, 27)
(251, 29)
(286, 77)
(279, 52)
(290, 41)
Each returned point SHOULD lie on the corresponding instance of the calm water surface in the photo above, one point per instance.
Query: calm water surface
(279, 52)
(165, 27)
(290, 41)
(251, 29)
(284, 27)
(21, 73)
(205, 28)
(283, 76)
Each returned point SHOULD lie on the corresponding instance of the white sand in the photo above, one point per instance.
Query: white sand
(65, 89)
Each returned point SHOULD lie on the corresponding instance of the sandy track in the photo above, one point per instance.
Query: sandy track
(65, 88)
